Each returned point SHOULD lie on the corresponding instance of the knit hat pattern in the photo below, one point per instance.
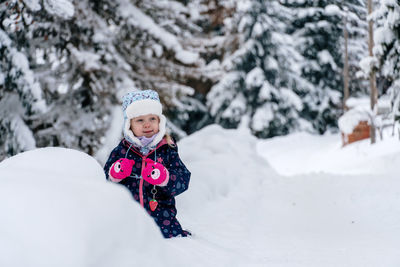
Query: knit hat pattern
(140, 103)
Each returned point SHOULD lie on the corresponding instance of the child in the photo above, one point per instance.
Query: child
(146, 161)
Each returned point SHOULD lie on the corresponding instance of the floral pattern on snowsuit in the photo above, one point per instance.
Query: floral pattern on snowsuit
(165, 213)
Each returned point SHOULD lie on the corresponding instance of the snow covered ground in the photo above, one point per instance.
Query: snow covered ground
(299, 200)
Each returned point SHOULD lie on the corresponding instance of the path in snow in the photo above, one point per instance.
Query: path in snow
(244, 214)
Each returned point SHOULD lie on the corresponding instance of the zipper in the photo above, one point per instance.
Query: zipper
(141, 183)
(141, 198)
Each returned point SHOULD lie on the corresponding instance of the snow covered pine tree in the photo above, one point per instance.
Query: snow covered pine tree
(386, 50)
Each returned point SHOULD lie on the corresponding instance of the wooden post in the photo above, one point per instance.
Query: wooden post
(372, 78)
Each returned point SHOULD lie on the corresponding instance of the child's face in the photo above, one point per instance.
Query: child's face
(146, 125)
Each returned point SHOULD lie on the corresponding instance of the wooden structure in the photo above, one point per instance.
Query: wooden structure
(360, 132)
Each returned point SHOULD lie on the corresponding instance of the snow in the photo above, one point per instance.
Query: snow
(138, 19)
(21, 69)
(353, 102)
(255, 78)
(2, 78)
(308, 12)
(333, 10)
(61, 8)
(12, 114)
(326, 58)
(5, 41)
(113, 135)
(257, 30)
(263, 116)
(291, 98)
(217, 95)
(359, 110)
(367, 64)
(236, 107)
(89, 60)
(383, 35)
(60, 211)
(62, 88)
(266, 91)
(39, 56)
(298, 200)
(348, 121)
(213, 69)
(186, 57)
(33, 5)
(393, 17)
(244, 6)
(325, 154)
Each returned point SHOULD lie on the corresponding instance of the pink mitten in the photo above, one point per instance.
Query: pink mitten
(121, 169)
(155, 173)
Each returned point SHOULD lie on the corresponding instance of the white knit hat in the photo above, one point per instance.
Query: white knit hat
(141, 103)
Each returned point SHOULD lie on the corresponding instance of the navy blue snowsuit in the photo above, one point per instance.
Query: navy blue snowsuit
(165, 213)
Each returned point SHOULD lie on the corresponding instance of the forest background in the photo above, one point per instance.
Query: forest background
(275, 67)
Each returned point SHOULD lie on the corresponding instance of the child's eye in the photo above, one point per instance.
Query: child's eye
(139, 120)
(153, 119)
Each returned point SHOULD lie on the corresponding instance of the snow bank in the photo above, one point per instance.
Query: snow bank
(222, 162)
(220, 207)
(304, 153)
(62, 212)
(336, 206)
(244, 214)
(58, 210)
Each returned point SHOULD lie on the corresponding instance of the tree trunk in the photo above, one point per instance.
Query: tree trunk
(346, 92)
(372, 79)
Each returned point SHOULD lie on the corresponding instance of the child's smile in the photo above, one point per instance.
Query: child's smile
(146, 125)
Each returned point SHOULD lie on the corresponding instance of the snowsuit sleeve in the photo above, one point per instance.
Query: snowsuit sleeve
(114, 155)
(179, 175)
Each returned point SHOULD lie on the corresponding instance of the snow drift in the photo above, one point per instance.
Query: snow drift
(58, 210)
(287, 201)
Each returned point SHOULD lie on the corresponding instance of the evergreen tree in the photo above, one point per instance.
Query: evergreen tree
(355, 12)
(70, 67)
(273, 66)
(20, 95)
(318, 29)
(263, 80)
(65, 64)
(386, 50)
(287, 73)
(158, 39)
